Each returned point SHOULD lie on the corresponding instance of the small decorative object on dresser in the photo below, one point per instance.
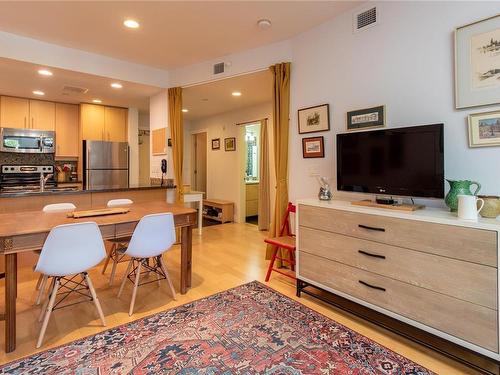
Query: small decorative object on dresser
(216, 144)
(313, 147)
(459, 188)
(484, 128)
(491, 208)
(325, 192)
(366, 118)
(468, 207)
(477, 63)
(314, 119)
(230, 144)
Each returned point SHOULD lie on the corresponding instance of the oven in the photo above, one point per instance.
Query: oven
(27, 141)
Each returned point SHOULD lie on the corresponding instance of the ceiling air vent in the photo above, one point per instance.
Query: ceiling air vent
(219, 68)
(365, 19)
(74, 90)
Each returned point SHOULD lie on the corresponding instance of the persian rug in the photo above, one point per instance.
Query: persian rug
(250, 329)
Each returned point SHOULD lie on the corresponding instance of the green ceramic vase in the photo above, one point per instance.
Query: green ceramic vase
(459, 187)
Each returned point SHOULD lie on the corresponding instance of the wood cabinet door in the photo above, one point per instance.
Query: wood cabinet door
(14, 112)
(115, 124)
(42, 115)
(67, 134)
(92, 122)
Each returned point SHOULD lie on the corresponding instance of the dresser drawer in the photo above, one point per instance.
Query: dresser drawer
(467, 321)
(471, 282)
(473, 245)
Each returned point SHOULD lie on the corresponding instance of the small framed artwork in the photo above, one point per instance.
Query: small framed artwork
(477, 63)
(313, 147)
(169, 142)
(366, 118)
(230, 144)
(314, 119)
(216, 144)
(484, 129)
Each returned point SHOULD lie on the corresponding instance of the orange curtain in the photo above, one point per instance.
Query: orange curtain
(281, 121)
(177, 135)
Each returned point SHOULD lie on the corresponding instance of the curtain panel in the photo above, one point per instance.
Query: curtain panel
(177, 135)
(264, 202)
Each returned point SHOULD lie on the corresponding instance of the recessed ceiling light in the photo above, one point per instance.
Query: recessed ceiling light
(131, 24)
(264, 24)
(38, 92)
(44, 72)
(185, 110)
(116, 85)
(97, 101)
(236, 93)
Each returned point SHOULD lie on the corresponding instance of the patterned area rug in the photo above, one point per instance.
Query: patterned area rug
(250, 329)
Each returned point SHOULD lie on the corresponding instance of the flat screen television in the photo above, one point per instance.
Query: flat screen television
(405, 161)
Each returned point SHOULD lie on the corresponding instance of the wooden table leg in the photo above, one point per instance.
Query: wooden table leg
(10, 301)
(186, 253)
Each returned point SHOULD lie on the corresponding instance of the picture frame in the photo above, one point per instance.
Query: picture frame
(313, 147)
(373, 117)
(314, 119)
(216, 144)
(230, 144)
(484, 129)
(477, 63)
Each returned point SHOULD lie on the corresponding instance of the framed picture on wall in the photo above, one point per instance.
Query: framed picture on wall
(314, 119)
(484, 129)
(313, 147)
(230, 144)
(216, 144)
(366, 118)
(477, 63)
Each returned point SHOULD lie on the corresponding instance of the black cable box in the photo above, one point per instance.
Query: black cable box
(387, 201)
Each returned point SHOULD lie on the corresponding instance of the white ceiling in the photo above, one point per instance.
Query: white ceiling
(19, 78)
(172, 33)
(216, 97)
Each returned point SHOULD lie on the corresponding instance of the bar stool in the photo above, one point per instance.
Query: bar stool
(42, 279)
(70, 249)
(153, 236)
(119, 245)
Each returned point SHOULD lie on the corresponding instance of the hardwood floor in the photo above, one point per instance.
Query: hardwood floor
(225, 256)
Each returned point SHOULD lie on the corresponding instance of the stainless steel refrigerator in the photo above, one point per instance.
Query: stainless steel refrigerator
(105, 165)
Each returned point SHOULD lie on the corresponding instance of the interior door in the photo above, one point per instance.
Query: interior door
(200, 162)
(14, 112)
(42, 115)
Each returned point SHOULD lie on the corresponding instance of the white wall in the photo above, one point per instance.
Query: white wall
(406, 62)
(158, 118)
(223, 167)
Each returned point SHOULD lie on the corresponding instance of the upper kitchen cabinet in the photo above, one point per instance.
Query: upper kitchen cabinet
(42, 115)
(67, 135)
(14, 112)
(115, 124)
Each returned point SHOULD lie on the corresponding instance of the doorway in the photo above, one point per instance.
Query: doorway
(199, 160)
(251, 170)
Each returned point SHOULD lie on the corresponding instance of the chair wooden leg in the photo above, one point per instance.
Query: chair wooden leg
(45, 304)
(271, 263)
(136, 285)
(111, 251)
(292, 259)
(94, 297)
(165, 271)
(125, 277)
(39, 282)
(41, 289)
(47, 313)
(158, 265)
(113, 270)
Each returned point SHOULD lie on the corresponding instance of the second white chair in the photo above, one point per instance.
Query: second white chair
(153, 236)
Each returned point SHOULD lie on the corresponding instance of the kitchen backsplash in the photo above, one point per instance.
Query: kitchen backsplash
(26, 159)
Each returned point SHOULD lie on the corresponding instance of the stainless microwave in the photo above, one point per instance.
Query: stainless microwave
(27, 141)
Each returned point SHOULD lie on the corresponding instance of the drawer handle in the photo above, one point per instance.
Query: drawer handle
(371, 254)
(371, 286)
(371, 228)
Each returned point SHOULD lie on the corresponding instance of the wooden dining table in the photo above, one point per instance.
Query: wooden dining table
(26, 231)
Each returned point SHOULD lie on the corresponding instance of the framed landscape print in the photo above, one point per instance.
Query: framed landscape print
(313, 147)
(366, 118)
(314, 119)
(484, 129)
(477, 63)
(230, 144)
(216, 144)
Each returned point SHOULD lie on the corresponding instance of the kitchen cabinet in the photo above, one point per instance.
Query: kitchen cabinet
(100, 123)
(115, 124)
(14, 112)
(42, 115)
(67, 135)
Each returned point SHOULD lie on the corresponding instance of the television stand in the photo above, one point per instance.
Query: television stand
(395, 206)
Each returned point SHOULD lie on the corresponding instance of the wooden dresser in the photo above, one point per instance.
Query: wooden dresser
(426, 268)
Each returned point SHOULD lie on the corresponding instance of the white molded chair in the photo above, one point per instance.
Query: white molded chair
(153, 235)
(70, 249)
(42, 279)
(119, 245)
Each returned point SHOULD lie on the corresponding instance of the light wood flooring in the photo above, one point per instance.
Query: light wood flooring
(225, 256)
